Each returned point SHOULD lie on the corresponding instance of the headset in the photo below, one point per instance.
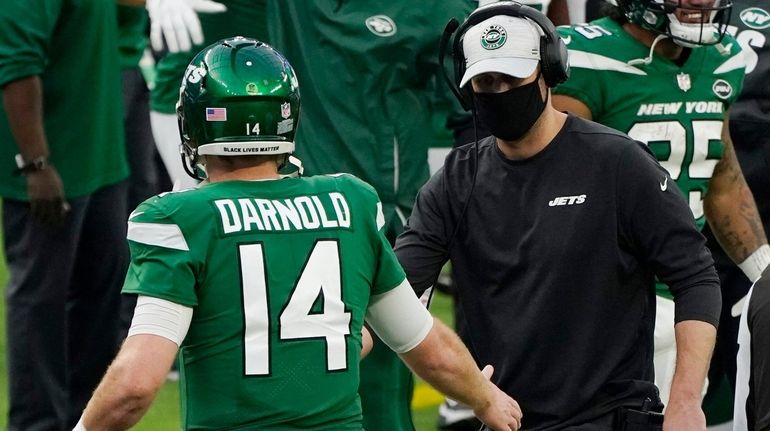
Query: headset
(554, 66)
(554, 57)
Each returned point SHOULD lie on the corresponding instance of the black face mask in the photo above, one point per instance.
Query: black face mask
(509, 115)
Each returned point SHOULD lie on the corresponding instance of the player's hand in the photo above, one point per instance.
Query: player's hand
(684, 417)
(46, 197)
(501, 412)
(177, 22)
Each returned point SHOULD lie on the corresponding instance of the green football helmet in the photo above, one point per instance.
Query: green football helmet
(688, 25)
(238, 97)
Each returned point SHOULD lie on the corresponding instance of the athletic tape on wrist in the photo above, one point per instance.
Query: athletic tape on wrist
(756, 263)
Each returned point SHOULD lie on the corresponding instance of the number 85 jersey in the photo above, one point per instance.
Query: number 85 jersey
(678, 111)
(279, 275)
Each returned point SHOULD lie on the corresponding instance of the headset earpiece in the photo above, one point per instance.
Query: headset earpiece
(554, 57)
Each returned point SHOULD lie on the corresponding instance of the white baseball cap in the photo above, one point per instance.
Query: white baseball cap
(503, 44)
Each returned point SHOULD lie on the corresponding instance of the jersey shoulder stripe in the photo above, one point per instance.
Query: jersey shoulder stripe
(728, 55)
(589, 60)
(157, 234)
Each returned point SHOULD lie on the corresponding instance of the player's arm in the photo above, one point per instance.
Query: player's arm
(23, 103)
(130, 385)
(437, 355)
(569, 104)
(137, 373)
(558, 12)
(732, 213)
(367, 342)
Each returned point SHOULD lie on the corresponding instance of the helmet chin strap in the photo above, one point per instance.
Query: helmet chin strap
(189, 161)
(648, 59)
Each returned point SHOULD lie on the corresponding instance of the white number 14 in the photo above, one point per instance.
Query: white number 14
(320, 275)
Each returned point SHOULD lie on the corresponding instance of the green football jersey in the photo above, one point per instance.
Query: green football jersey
(677, 110)
(279, 274)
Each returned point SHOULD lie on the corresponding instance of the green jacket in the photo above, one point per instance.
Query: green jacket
(73, 49)
(365, 71)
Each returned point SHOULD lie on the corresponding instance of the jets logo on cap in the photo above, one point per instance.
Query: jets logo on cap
(493, 37)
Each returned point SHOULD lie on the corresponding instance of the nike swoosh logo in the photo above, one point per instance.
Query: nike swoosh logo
(664, 185)
(567, 39)
(134, 214)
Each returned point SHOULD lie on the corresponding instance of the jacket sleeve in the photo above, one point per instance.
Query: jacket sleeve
(659, 225)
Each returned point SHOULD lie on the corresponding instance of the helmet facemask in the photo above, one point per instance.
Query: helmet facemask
(690, 26)
(699, 27)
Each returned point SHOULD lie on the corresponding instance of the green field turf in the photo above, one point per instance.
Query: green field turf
(164, 414)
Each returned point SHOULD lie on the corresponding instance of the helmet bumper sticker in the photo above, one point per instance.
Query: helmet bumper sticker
(216, 114)
(285, 126)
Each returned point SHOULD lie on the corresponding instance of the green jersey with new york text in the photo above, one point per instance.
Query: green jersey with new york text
(279, 274)
(677, 110)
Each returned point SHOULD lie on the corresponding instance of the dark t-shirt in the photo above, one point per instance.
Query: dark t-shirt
(554, 261)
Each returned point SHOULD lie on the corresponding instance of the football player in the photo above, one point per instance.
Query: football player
(263, 282)
(666, 73)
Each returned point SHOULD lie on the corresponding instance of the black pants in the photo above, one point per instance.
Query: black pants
(140, 146)
(613, 421)
(62, 303)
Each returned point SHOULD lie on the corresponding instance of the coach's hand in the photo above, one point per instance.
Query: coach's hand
(176, 22)
(500, 412)
(684, 416)
(46, 196)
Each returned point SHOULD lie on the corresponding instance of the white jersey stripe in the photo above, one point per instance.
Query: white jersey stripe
(588, 60)
(380, 216)
(162, 235)
(735, 62)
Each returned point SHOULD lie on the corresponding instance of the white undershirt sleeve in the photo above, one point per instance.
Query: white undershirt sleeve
(160, 317)
(399, 318)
